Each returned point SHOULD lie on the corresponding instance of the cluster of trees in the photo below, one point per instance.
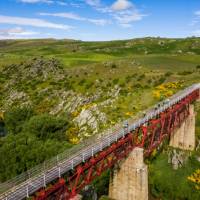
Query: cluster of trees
(30, 140)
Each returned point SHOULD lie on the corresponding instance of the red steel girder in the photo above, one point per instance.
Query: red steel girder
(149, 136)
(86, 172)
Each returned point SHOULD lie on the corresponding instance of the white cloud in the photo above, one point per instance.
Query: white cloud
(126, 25)
(128, 17)
(104, 9)
(64, 15)
(61, 3)
(121, 5)
(17, 33)
(196, 20)
(73, 16)
(101, 22)
(93, 2)
(31, 22)
(196, 32)
(76, 5)
(36, 1)
(123, 12)
(197, 13)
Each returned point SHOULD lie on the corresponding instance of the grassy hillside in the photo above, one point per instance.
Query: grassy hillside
(32, 69)
(76, 53)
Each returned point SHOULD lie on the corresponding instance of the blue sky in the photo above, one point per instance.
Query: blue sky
(99, 19)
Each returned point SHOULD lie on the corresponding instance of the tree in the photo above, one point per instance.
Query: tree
(20, 152)
(46, 126)
(16, 117)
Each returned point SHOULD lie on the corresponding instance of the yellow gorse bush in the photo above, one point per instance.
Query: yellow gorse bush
(75, 114)
(88, 106)
(166, 89)
(156, 94)
(195, 179)
(129, 114)
(74, 140)
(72, 135)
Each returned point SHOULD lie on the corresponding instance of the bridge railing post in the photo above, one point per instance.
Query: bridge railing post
(44, 180)
(27, 191)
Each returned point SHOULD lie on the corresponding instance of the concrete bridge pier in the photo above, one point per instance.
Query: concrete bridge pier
(184, 136)
(130, 182)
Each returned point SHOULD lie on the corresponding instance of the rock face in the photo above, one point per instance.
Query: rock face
(34, 68)
(89, 192)
(90, 117)
(15, 96)
(177, 158)
(68, 101)
(26, 76)
(197, 146)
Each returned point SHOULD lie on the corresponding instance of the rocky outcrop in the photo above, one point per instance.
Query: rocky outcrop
(91, 117)
(87, 114)
(34, 69)
(13, 97)
(177, 158)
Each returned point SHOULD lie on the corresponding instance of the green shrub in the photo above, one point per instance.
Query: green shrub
(16, 117)
(198, 67)
(185, 73)
(128, 79)
(45, 126)
(88, 85)
(142, 76)
(113, 66)
(115, 81)
(160, 81)
(137, 86)
(82, 81)
(168, 74)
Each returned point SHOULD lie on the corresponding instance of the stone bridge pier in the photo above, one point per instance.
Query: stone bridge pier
(184, 136)
(130, 181)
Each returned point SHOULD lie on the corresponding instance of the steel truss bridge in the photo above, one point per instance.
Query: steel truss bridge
(64, 176)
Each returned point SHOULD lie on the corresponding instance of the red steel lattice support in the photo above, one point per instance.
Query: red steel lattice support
(149, 136)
